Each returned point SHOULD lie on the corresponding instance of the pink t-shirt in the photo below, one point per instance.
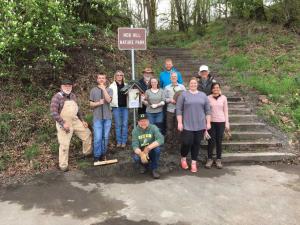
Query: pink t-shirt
(219, 109)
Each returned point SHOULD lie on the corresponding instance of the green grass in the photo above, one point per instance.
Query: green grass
(5, 158)
(54, 147)
(237, 62)
(257, 56)
(19, 103)
(83, 164)
(31, 152)
(4, 131)
(172, 39)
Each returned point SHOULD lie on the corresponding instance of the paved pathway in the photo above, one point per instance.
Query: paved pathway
(236, 195)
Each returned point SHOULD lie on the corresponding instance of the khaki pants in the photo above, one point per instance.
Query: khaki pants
(69, 115)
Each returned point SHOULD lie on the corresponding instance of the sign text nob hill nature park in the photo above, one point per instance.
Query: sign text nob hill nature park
(132, 38)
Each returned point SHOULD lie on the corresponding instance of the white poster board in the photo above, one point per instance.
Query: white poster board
(133, 98)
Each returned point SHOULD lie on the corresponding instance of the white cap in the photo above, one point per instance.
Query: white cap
(203, 68)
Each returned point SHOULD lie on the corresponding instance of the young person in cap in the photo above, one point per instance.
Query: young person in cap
(165, 75)
(144, 84)
(219, 122)
(65, 111)
(119, 109)
(172, 92)
(193, 116)
(205, 80)
(100, 99)
(146, 140)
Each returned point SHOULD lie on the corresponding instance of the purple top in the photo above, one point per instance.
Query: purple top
(193, 108)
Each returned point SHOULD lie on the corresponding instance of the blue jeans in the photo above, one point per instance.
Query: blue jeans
(101, 136)
(154, 158)
(121, 124)
(157, 119)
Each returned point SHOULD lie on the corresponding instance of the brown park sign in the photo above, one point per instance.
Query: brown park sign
(132, 38)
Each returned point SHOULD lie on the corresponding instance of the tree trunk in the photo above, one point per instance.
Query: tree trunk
(179, 15)
(151, 11)
(173, 13)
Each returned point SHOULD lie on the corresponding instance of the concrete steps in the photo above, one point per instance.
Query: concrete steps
(242, 126)
(249, 134)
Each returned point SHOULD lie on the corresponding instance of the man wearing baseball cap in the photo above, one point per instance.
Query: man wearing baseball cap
(144, 84)
(65, 111)
(146, 140)
(205, 80)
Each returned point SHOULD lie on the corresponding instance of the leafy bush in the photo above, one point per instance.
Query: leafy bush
(35, 30)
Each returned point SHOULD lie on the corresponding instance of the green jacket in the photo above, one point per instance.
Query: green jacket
(141, 138)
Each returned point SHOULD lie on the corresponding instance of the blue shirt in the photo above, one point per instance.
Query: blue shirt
(165, 77)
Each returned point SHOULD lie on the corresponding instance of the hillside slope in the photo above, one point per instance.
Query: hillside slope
(258, 58)
(28, 140)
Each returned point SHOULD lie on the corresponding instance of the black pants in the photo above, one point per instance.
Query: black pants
(216, 133)
(191, 142)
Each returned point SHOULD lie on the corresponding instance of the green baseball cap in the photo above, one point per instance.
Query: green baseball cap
(142, 117)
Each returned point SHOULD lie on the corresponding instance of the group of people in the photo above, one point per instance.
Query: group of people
(169, 111)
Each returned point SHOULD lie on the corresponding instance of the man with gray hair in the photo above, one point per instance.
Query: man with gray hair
(69, 120)
(205, 80)
(172, 91)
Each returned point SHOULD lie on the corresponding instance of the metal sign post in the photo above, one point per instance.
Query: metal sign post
(132, 39)
(133, 78)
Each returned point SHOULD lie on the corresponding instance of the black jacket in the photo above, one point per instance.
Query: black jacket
(206, 86)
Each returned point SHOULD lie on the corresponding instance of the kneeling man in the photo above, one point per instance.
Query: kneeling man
(146, 140)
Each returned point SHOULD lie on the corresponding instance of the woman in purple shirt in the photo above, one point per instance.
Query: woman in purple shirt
(193, 116)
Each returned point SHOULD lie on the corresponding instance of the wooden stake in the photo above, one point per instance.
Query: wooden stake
(106, 162)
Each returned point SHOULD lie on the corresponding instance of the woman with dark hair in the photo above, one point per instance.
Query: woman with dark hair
(154, 100)
(193, 116)
(119, 109)
(219, 122)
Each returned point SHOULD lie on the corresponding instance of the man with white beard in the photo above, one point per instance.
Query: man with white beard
(144, 84)
(65, 111)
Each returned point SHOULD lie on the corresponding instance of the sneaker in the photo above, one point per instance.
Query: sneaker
(184, 164)
(118, 145)
(209, 163)
(155, 174)
(123, 145)
(219, 164)
(194, 167)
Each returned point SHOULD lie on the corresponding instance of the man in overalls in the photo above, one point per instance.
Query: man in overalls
(65, 111)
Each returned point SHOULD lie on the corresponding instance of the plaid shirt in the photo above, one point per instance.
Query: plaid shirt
(57, 103)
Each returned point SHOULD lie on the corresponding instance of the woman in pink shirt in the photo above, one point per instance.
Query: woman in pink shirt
(219, 122)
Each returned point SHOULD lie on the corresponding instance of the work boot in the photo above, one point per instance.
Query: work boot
(103, 158)
(155, 174)
(64, 169)
(219, 164)
(209, 163)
